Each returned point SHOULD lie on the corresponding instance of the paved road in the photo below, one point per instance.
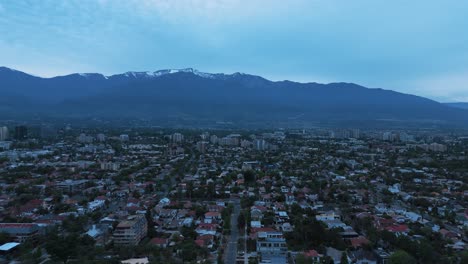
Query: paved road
(230, 254)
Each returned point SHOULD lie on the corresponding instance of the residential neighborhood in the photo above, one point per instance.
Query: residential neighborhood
(153, 195)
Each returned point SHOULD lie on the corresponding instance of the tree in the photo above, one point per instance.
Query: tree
(4, 238)
(401, 257)
(344, 258)
(249, 176)
(149, 220)
(301, 259)
(464, 257)
(241, 221)
(188, 251)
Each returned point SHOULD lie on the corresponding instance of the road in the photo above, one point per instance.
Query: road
(230, 255)
(246, 258)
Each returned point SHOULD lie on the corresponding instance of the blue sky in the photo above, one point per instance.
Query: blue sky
(418, 47)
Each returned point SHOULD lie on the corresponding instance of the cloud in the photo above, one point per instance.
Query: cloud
(204, 12)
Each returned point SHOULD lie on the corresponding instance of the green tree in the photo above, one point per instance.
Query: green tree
(464, 257)
(401, 257)
(344, 258)
(4, 238)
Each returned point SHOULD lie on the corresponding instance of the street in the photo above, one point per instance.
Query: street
(230, 254)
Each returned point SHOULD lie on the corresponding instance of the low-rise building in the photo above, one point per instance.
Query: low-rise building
(20, 232)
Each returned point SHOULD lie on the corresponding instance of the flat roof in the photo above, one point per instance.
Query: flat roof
(8, 246)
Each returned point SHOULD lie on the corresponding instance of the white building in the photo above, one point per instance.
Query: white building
(3, 133)
(177, 137)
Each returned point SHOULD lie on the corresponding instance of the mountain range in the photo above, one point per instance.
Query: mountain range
(458, 105)
(188, 94)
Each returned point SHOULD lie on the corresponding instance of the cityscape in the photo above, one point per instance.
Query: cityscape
(154, 195)
(233, 132)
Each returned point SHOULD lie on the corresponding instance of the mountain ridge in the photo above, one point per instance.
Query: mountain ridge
(191, 94)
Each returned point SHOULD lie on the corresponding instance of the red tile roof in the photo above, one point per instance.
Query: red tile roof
(359, 241)
(159, 241)
(311, 253)
(397, 228)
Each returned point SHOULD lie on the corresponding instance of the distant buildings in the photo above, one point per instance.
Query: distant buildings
(3, 133)
(230, 140)
(177, 137)
(83, 138)
(260, 144)
(21, 132)
(201, 146)
(113, 166)
(345, 133)
(131, 231)
(5, 145)
(124, 137)
(214, 139)
(71, 186)
(436, 147)
(101, 137)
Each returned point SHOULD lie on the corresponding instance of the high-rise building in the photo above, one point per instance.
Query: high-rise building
(83, 138)
(101, 137)
(214, 139)
(355, 133)
(131, 231)
(21, 132)
(201, 146)
(177, 137)
(260, 144)
(48, 131)
(3, 133)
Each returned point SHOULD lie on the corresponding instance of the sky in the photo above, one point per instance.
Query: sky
(418, 47)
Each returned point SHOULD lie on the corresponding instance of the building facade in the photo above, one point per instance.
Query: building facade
(131, 231)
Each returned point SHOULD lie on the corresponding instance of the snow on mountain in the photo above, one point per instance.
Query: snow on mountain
(186, 70)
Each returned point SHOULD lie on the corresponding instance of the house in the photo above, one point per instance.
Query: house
(358, 242)
(312, 254)
(330, 215)
(334, 223)
(334, 254)
(382, 256)
(255, 224)
(256, 212)
(398, 229)
(206, 229)
(413, 217)
(213, 215)
(159, 242)
(362, 257)
(205, 241)
(71, 186)
(136, 261)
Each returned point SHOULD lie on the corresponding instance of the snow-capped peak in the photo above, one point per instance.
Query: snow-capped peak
(159, 73)
(90, 75)
(187, 70)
